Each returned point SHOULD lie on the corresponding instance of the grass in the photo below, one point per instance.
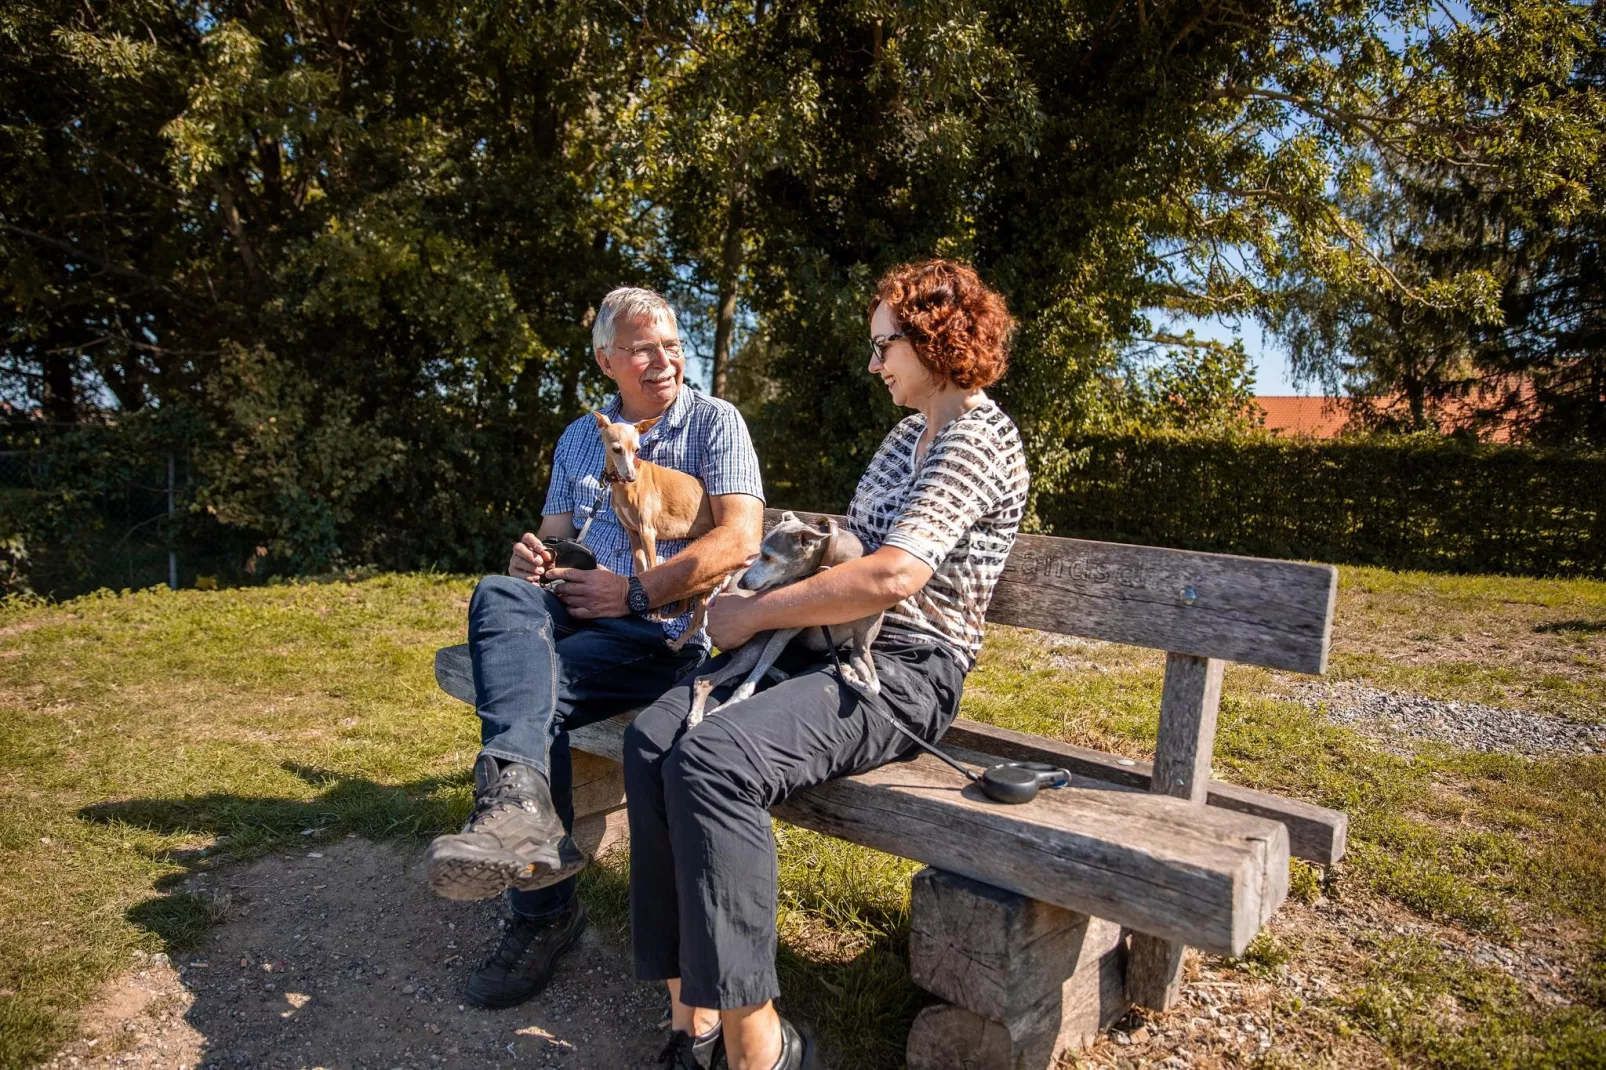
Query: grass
(145, 735)
(1516, 643)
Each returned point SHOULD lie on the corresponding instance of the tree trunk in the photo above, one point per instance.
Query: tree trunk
(730, 270)
(1415, 391)
(569, 389)
(61, 394)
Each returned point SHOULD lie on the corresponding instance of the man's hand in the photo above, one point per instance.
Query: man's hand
(732, 619)
(530, 559)
(589, 593)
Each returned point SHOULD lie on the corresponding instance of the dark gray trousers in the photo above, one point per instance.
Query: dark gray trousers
(702, 854)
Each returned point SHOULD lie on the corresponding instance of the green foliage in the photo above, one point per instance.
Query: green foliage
(1499, 307)
(351, 254)
(1416, 502)
(348, 255)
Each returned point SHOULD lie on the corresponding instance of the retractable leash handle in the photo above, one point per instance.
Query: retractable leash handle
(1007, 782)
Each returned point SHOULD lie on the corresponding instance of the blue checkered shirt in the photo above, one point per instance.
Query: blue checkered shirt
(699, 435)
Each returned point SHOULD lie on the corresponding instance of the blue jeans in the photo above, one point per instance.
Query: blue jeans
(539, 672)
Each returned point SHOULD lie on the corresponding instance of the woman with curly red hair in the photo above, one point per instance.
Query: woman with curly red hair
(937, 511)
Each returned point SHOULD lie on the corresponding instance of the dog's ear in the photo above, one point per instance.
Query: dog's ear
(647, 425)
(789, 517)
(603, 423)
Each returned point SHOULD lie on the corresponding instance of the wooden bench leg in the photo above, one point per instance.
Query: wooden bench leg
(599, 803)
(1188, 707)
(596, 833)
(1024, 981)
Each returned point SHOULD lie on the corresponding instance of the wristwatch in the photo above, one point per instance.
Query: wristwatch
(637, 598)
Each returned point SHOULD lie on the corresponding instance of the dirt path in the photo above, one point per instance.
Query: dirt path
(341, 957)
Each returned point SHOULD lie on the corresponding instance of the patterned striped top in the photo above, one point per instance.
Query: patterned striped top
(699, 435)
(959, 514)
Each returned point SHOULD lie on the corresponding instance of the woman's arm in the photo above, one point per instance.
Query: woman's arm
(845, 593)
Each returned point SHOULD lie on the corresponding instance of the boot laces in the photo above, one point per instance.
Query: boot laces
(500, 795)
(516, 943)
(678, 1054)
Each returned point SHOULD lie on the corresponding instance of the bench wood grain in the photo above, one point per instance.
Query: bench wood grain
(1315, 833)
(1257, 611)
(1204, 875)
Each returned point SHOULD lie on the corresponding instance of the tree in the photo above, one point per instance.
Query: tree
(1522, 345)
(358, 245)
(359, 242)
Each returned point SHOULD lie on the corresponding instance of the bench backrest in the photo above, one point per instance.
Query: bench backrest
(1278, 614)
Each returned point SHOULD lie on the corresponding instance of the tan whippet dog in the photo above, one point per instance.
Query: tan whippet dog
(652, 502)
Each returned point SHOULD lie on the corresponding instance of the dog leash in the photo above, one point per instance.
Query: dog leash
(604, 485)
(1007, 782)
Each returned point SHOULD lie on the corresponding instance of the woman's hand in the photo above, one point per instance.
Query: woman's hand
(734, 618)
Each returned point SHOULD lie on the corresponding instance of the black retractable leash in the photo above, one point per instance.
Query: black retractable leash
(570, 553)
(1008, 782)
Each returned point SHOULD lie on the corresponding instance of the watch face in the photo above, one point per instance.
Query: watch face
(637, 598)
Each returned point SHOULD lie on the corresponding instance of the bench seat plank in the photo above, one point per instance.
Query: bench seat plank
(1315, 833)
(1202, 875)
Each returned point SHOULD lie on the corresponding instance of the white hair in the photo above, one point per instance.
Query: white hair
(630, 303)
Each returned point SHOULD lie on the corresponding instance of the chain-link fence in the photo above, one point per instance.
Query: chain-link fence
(77, 515)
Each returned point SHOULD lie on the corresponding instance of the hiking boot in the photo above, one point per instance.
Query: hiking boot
(686, 1052)
(513, 839)
(524, 961)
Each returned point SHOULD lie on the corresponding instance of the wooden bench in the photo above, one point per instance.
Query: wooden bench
(1038, 925)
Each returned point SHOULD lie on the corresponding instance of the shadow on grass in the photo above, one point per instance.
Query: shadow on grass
(861, 1004)
(1580, 627)
(244, 827)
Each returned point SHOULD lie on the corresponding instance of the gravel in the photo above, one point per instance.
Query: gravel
(1468, 725)
(343, 958)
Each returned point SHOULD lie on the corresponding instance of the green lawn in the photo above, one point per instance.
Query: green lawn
(148, 734)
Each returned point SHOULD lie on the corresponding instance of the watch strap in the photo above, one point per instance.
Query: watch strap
(637, 598)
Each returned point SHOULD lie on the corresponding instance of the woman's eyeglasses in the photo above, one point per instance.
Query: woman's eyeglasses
(879, 345)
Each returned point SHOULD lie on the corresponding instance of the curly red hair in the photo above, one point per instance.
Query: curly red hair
(959, 327)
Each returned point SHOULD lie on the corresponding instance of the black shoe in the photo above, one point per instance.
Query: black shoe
(797, 1049)
(513, 839)
(686, 1052)
(523, 962)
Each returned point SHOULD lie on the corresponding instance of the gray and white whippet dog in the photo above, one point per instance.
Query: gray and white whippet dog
(790, 552)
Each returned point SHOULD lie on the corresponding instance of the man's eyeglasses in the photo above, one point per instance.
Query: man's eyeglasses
(879, 345)
(650, 349)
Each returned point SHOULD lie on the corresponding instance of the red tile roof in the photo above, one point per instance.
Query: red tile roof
(1317, 417)
(1323, 417)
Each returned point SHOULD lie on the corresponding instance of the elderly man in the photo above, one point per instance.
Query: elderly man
(545, 662)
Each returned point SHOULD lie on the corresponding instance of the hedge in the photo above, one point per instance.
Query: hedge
(1404, 502)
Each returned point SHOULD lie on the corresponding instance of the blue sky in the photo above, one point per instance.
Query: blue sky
(1272, 376)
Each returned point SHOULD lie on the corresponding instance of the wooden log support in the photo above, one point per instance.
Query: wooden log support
(1024, 981)
(599, 784)
(596, 834)
(1188, 705)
